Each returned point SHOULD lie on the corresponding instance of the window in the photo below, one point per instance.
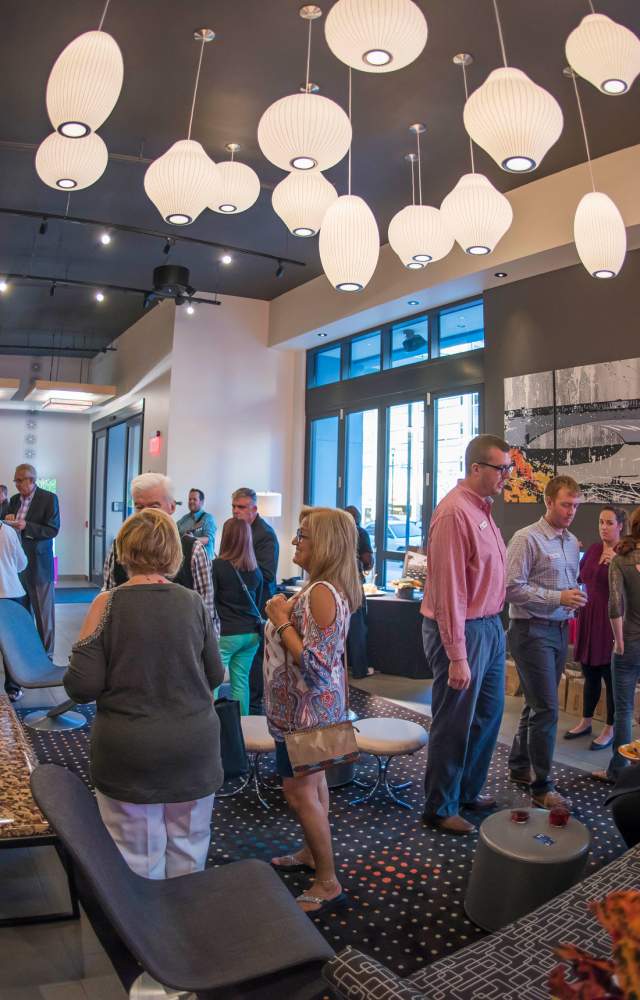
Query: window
(325, 367)
(364, 355)
(324, 462)
(410, 342)
(457, 421)
(461, 329)
(362, 467)
(405, 477)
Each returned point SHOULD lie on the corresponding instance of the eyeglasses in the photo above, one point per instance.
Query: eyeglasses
(504, 470)
(299, 536)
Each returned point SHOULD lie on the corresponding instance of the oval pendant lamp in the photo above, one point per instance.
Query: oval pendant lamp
(84, 84)
(376, 36)
(71, 164)
(349, 244)
(238, 186)
(605, 53)
(600, 235)
(301, 200)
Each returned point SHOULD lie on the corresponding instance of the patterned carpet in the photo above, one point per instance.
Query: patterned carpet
(406, 883)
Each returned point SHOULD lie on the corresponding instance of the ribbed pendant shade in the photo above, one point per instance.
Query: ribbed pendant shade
(513, 119)
(301, 200)
(238, 190)
(419, 234)
(376, 36)
(304, 132)
(181, 182)
(605, 53)
(85, 84)
(349, 243)
(71, 164)
(600, 235)
(477, 214)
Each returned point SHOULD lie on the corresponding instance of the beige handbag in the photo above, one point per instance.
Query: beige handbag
(320, 747)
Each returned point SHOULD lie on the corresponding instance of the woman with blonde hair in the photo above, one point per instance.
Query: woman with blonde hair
(148, 657)
(304, 681)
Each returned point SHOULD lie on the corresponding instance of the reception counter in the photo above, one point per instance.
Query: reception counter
(394, 643)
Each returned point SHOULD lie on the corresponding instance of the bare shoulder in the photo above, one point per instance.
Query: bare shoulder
(323, 605)
(95, 614)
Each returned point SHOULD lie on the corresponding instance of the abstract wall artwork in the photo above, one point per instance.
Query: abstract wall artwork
(582, 422)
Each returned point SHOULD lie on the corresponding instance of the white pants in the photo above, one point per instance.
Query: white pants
(162, 840)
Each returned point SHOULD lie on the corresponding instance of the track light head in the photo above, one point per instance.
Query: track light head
(279, 269)
(44, 225)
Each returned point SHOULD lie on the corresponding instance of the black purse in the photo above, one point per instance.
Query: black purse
(232, 749)
(261, 622)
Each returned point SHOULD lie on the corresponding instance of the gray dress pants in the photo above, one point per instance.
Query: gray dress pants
(41, 595)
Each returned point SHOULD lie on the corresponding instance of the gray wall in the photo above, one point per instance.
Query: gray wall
(556, 320)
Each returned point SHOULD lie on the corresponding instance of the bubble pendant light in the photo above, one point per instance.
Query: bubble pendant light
(71, 164)
(301, 200)
(477, 214)
(598, 228)
(85, 83)
(238, 186)
(418, 233)
(182, 181)
(349, 239)
(511, 117)
(304, 131)
(376, 36)
(605, 53)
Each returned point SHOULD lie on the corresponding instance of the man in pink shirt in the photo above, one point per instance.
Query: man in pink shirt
(463, 637)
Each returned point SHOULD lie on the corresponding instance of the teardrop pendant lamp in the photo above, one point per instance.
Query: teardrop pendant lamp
(511, 117)
(183, 181)
(238, 186)
(71, 164)
(598, 228)
(349, 238)
(301, 201)
(304, 131)
(85, 83)
(477, 214)
(376, 36)
(605, 53)
(418, 233)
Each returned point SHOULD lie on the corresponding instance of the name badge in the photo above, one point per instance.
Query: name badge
(483, 525)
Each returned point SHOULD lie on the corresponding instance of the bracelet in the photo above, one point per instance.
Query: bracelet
(280, 629)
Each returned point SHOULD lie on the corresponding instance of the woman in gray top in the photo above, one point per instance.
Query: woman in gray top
(624, 613)
(148, 656)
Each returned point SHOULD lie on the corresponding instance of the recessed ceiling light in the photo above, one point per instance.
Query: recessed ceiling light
(99, 296)
(190, 310)
(226, 258)
(3, 285)
(323, 335)
(105, 239)
(413, 302)
(500, 274)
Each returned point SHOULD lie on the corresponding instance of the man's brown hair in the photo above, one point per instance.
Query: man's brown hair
(558, 483)
(480, 446)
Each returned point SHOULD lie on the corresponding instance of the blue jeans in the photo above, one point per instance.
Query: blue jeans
(540, 651)
(625, 670)
(465, 724)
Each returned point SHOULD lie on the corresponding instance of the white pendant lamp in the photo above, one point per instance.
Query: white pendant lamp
(349, 244)
(376, 36)
(600, 235)
(84, 84)
(477, 214)
(301, 200)
(304, 131)
(71, 165)
(511, 117)
(182, 181)
(605, 53)
(598, 228)
(238, 186)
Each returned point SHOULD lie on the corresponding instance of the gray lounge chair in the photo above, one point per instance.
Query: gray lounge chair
(228, 932)
(29, 666)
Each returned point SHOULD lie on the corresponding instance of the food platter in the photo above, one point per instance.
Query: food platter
(631, 750)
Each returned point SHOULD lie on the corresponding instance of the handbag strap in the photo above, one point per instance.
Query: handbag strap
(253, 604)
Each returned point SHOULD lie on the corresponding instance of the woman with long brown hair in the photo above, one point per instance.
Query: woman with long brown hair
(237, 585)
(304, 681)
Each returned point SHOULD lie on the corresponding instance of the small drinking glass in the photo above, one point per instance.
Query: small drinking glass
(559, 815)
(519, 807)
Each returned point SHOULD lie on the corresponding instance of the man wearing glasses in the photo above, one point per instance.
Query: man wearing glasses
(463, 637)
(35, 515)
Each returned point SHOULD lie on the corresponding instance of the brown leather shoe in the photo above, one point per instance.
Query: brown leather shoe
(449, 824)
(480, 804)
(522, 777)
(547, 800)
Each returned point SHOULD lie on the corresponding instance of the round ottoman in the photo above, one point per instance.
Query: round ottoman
(384, 739)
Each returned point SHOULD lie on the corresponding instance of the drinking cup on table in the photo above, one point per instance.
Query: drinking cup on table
(559, 815)
(519, 809)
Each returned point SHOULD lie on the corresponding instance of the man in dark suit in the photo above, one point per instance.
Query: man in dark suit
(244, 506)
(4, 501)
(35, 514)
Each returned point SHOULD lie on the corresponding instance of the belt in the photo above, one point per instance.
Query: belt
(542, 621)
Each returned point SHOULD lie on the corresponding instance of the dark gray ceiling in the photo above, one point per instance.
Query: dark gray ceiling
(257, 57)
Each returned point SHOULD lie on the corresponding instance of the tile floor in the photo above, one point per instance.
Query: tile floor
(66, 961)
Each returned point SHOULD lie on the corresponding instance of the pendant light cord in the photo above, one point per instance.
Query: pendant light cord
(413, 184)
(419, 169)
(351, 143)
(502, 49)
(466, 98)
(104, 14)
(584, 131)
(195, 89)
(308, 56)
(590, 2)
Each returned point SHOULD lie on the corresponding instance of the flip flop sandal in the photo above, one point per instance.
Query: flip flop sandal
(323, 904)
(290, 864)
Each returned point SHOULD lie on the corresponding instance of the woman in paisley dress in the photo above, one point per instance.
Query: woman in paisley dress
(304, 681)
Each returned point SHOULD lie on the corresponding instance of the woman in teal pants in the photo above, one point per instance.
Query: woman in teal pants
(237, 584)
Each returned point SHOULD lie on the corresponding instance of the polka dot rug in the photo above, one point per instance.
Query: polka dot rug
(405, 882)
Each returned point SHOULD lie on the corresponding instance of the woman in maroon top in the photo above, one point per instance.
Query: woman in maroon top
(594, 638)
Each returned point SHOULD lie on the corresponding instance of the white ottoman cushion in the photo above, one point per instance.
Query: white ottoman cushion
(388, 737)
(257, 737)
